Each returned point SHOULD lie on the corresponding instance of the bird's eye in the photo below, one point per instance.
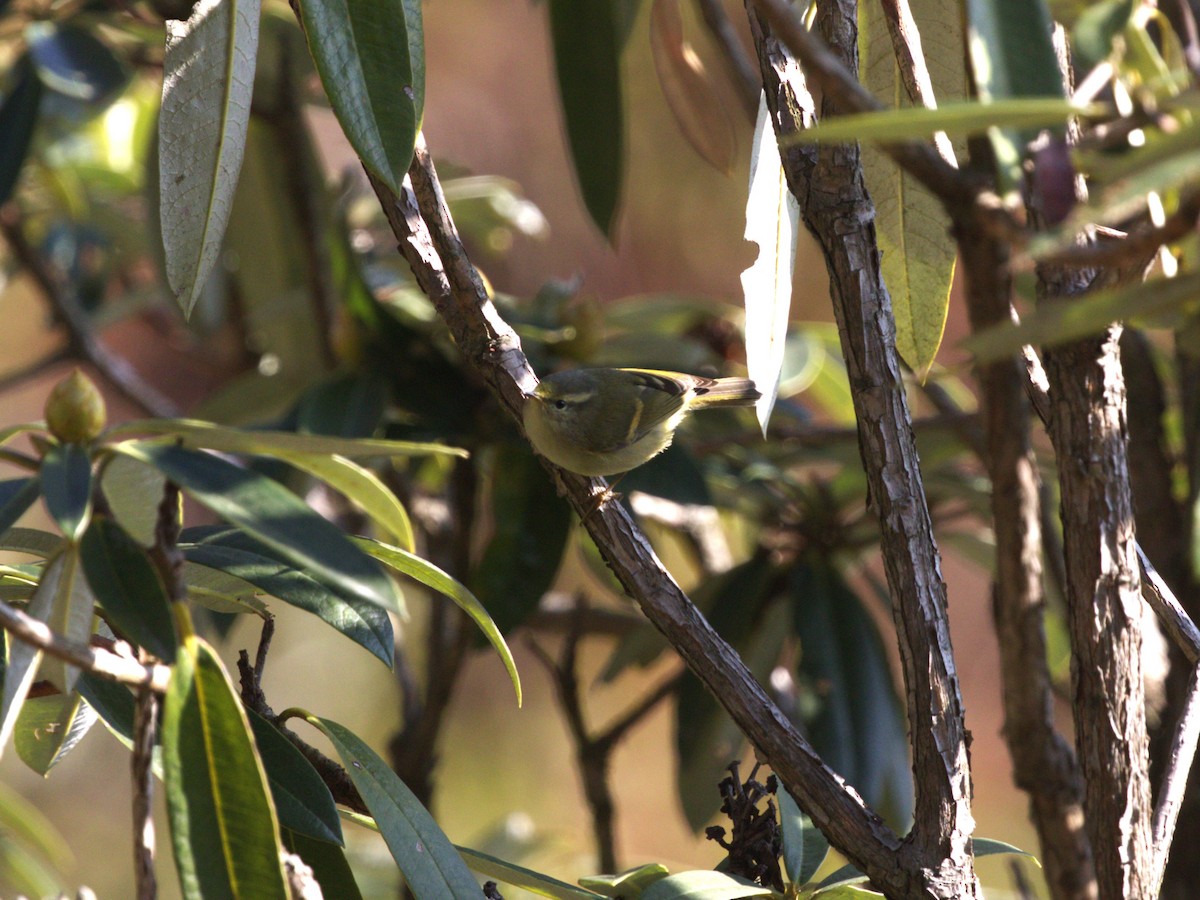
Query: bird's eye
(560, 404)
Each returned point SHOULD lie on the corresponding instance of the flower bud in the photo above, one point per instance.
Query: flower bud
(75, 410)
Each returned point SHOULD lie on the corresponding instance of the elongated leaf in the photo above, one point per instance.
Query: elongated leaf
(520, 877)
(630, 883)
(239, 555)
(16, 496)
(279, 444)
(698, 109)
(222, 592)
(952, 118)
(704, 885)
(302, 800)
(847, 892)
(531, 526)
(804, 847)
(223, 823)
(66, 477)
(1066, 320)
(49, 728)
(113, 702)
(772, 222)
(587, 60)
(32, 541)
(328, 863)
(18, 116)
(275, 516)
(432, 867)
(993, 847)
(371, 58)
(431, 576)
(362, 487)
(19, 671)
(127, 585)
(208, 78)
(71, 613)
(133, 490)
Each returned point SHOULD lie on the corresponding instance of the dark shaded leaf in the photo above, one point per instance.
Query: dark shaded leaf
(302, 800)
(18, 116)
(112, 701)
(275, 516)
(73, 61)
(587, 60)
(127, 585)
(673, 475)
(66, 476)
(371, 58)
(328, 862)
(804, 847)
(432, 867)
(223, 824)
(16, 496)
(531, 526)
(349, 406)
(1094, 31)
(859, 727)
(237, 553)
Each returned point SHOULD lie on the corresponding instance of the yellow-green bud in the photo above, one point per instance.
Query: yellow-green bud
(75, 410)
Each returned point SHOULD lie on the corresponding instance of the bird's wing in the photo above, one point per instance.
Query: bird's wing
(660, 395)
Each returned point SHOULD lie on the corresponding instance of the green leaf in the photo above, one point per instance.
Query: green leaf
(254, 563)
(275, 516)
(432, 867)
(1094, 31)
(16, 496)
(302, 800)
(18, 116)
(113, 702)
(49, 728)
(20, 668)
(208, 78)
(587, 60)
(223, 823)
(704, 885)
(371, 58)
(279, 444)
(128, 587)
(846, 892)
(520, 877)
(630, 883)
(1059, 321)
(992, 847)
(32, 541)
(804, 846)
(350, 405)
(133, 490)
(859, 728)
(431, 576)
(71, 613)
(772, 222)
(33, 855)
(66, 476)
(328, 862)
(846, 875)
(531, 526)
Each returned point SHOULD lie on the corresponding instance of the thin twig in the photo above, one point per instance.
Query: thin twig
(1174, 780)
(83, 343)
(144, 725)
(737, 61)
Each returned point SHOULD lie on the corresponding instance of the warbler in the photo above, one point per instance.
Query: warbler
(608, 421)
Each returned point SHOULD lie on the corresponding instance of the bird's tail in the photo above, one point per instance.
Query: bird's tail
(725, 392)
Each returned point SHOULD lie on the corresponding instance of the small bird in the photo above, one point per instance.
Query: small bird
(608, 421)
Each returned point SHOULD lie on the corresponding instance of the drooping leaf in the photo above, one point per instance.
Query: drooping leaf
(49, 728)
(16, 496)
(859, 727)
(18, 116)
(371, 58)
(587, 61)
(328, 863)
(72, 610)
(208, 77)
(66, 477)
(698, 109)
(73, 61)
(992, 847)
(362, 487)
(704, 884)
(302, 800)
(531, 526)
(804, 846)
(238, 554)
(431, 576)
(432, 868)
(772, 222)
(128, 587)
(223, 823)
(520, 877)
(275, 516)
(630, 883)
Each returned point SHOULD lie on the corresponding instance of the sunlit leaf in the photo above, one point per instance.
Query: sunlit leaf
(587, 61)
(694, 102)
(630, 883)
(704, 885)
(431, 576)
(371, 58)
(223, 823)
(520, 877)
(72, 611)
(49, 728)
(208, 77)
(432, 868)
(772, 222)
